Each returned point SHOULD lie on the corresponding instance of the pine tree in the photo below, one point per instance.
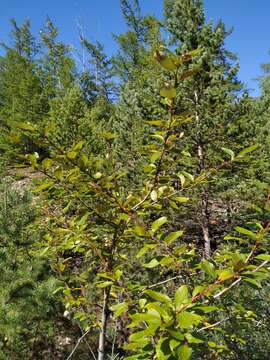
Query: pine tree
(99, 73)
(21, 89)
(139, 75)
(29, 310)
(58, 67)
(209, 95)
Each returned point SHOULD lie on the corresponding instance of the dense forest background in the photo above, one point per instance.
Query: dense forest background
(135, 196)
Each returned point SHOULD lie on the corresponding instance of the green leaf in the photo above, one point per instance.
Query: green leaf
(83, 219)
(225, 275)
(153, 263)
(144, 249)
(139, 230)
(47, 163)
(155, 156)
(173, 236)
(104, 284)
(158, 296)
(187, 319)
(167, 260)
(142, 303)
(168, 92)
(184, 352)
(97, 175)
(119, 309)
(158, 136)
(193, 340)
(138, 336)
(43, 187)
(168, 64)
(183, 180)
(253, 282)
(188, 176)
(176, 335)
(133, 357)
(229, 152)
(118, 273)
(263, 257)
(58, 173)
(154, 195)
(206, 308)
(209, 268)
(149, 168)
(152, 317)
(181, 296)
(78, 146)
(156, 122)
(106, 276)
(26, 126)
(235, 238)
(158, 223)
(32, 158)
(71, 155)
(84, 160)
(163, 351)
(165, 61)
(173, 344)
(181, 199)
(49, 128)
(186, 74)
(107, 135)
(248, 150)
(247, 232)
(197, 290)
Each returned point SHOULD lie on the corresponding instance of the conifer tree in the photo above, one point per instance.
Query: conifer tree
(21, 89)
(100, 71)
(209, 95)
(57, 64)
(138, 92)
(29, 310)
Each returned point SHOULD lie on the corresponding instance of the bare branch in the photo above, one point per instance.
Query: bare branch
(77, 344)
(213, 325)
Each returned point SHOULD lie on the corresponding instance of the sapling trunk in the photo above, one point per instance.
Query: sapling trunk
(205, 192)
(104, 322)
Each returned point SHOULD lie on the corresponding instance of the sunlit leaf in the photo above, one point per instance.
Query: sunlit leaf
(158, 223)
(119, 309)
(181, 296)
(158, 296)
(168, 92)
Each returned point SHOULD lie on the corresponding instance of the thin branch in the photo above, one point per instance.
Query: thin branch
(114, 340)
(89, 347)
(77, 344)
(251, 253)
(135, 207)
(238, 280)
(162, 282)
(260, 266)
(213, 325)
(227, 289)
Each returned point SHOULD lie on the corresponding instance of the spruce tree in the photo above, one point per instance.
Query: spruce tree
(21, 89)
(209, 95)
(58, 67)
(29, 310)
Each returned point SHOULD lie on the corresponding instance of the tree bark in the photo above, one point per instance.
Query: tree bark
(104, 323)
(205, 223)
(205, 193)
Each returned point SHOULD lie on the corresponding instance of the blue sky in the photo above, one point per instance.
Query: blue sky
(250, 39)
